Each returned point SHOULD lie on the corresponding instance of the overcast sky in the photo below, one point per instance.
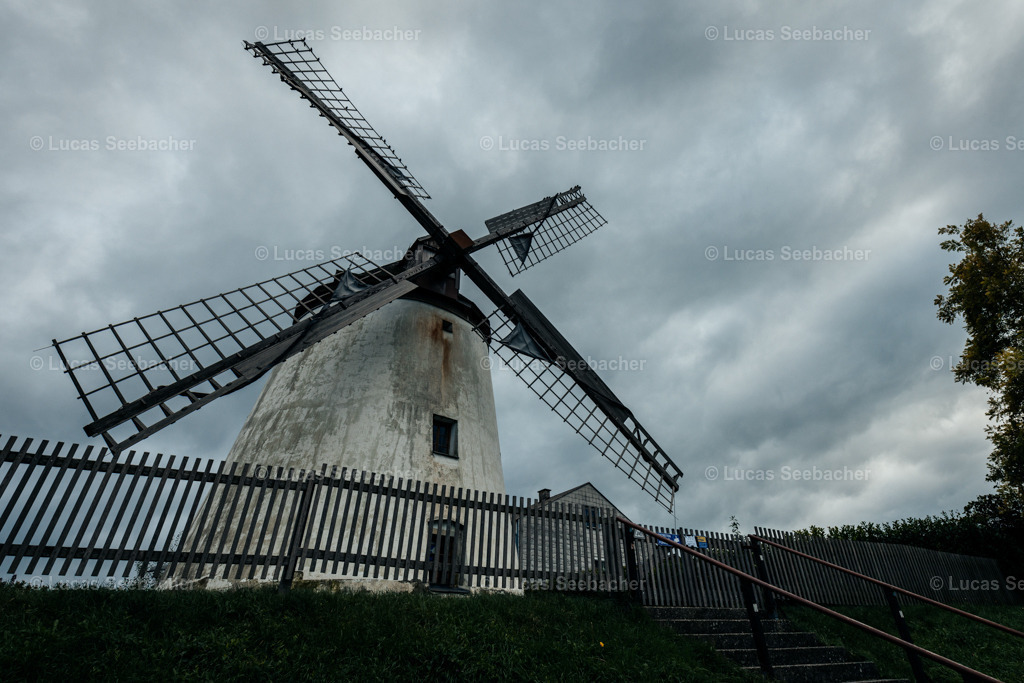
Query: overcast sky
(749, 147)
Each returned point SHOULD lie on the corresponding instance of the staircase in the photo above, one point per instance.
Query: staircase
(795, 657)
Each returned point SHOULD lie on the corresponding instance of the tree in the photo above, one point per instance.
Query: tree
(986, 290)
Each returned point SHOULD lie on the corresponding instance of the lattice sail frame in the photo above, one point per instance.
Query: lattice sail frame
(197, 344)
(298, 58)
(566, 397)
(558, 222)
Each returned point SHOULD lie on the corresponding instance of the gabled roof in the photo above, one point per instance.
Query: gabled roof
(593, 490)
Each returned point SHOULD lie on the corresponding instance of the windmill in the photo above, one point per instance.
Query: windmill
(141, 375)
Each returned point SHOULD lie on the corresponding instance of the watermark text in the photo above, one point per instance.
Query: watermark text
(390, 34)
(786, 253)
(785, 473)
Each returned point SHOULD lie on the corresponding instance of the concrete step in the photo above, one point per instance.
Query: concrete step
(791, 655)
(836, 672)
(745, 641)
(659, 613)
(709, 626)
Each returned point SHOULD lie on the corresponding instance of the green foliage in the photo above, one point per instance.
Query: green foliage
(308, 635)
(980, 647)
(734, 526)
(986, 291)
(990, 526)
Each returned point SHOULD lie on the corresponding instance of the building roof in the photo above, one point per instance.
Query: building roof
(580, 494)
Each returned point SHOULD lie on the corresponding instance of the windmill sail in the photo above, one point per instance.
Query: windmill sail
(571, 388)
(301, 69)
(141, 375)
(544, 228)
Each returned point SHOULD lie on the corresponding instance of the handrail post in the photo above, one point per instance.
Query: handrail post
(298, 531)
(770, 605)
(756, 627)
(904, 631)
(632, 569)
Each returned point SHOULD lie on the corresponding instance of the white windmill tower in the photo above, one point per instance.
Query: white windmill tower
(378, 367)
(405, 391)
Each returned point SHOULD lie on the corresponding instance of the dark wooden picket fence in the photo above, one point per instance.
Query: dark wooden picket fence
(78, 515)
(946, 577)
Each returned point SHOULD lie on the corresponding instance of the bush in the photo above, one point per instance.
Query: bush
(991, 526)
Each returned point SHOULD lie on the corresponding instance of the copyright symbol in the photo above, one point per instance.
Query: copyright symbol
(936, 363)
(261, 472)
(36, 363)
(936, 142)
(487, 143)
(261, 32)
(262, 253)
(36, 143)
(36, 582)
(486, 362)
(936, 583)
(711, 473)
(711, 253)
(711, 33)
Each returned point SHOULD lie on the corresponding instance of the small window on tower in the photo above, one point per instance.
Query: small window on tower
(445, 437)
(446, 325)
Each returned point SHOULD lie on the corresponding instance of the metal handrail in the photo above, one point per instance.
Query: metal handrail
(966, 671)
(889, 586)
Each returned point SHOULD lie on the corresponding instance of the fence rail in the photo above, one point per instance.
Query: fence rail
(946, 577)
(70, 513)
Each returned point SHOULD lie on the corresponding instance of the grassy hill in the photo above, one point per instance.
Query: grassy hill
(306, 635)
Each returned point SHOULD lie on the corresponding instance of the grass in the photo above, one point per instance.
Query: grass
(980, 647)
(306, 635)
